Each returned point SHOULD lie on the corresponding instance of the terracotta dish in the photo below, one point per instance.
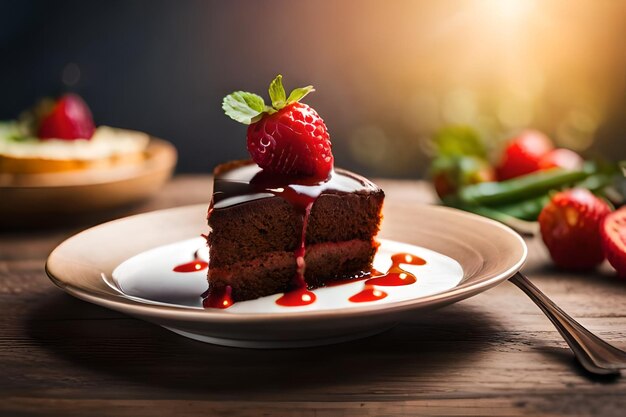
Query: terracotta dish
(29, 197)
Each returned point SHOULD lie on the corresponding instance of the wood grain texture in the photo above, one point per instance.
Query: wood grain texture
(494, 354)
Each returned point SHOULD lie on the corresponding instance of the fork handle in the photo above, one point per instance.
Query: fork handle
(593, 353)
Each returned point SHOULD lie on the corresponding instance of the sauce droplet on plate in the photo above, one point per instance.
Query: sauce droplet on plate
(369, 293)
(298, 297)
(196, 265)
(192, 266)
(396, 276)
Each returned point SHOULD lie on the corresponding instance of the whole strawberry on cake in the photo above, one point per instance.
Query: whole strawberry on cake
(286, 221)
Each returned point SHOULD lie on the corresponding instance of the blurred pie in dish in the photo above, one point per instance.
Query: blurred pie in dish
(60, 136)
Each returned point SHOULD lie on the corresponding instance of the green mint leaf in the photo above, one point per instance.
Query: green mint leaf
(277, 93)
(243, 107)
(299, 93)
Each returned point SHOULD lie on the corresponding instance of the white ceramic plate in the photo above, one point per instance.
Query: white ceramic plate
(127, 265)
(149, 277)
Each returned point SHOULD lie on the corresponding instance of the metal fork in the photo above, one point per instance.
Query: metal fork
(593, 353)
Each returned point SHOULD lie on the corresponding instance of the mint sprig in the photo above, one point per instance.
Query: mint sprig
(248, 108)
(243, 107)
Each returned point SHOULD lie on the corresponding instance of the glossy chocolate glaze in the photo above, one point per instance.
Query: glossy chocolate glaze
(241, 182)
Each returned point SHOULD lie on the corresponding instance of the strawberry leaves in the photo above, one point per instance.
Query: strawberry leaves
(299, 93)
(277, 93)
(248, 108)
(243, 107)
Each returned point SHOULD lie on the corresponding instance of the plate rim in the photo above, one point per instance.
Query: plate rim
(127, 305)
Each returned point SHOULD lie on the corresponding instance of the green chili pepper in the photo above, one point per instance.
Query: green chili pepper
(522, 188)
(522, 226)
(526, 209)
(596, 182)
(530, 208)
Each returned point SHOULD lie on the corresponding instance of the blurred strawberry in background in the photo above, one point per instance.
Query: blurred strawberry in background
(536, 181)
(461, 159)
(69, 118)
(561, 158)
(523, 154)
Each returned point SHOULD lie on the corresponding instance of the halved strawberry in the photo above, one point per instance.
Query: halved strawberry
(613, 232)
(69, 119)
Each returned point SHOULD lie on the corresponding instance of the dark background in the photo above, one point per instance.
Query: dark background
(387, 73)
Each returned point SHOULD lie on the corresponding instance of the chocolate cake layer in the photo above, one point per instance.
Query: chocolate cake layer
(245, 231)
(273, 272)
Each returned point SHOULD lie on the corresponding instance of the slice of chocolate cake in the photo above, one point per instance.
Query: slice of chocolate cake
(288, 221)
(273, 233)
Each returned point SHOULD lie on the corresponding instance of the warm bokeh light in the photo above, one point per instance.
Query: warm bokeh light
(500, 66)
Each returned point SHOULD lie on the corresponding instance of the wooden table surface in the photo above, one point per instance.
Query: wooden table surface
(493, 354)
